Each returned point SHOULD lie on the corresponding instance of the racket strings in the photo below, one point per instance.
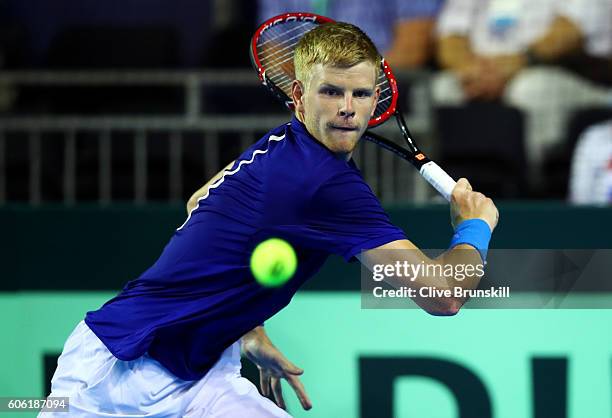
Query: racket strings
(276, 51)
(290, 48)
(277, 63)
(276, 32)
(271, 65)
(283, 84)
(282, 32)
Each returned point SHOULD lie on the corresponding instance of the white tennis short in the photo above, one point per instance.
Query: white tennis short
(100, 385)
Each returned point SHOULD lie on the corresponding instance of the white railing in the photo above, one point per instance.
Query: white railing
(393, 180)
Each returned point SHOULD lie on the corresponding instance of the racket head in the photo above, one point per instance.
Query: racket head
(272, 50)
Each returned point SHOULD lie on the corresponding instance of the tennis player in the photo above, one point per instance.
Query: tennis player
(169, 344)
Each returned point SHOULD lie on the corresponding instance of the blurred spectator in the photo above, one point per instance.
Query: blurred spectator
(591, 175)
(401, 29)
(505, 49)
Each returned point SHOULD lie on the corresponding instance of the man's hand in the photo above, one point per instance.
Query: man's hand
(467, 204)
(273, 366)
(485, 78)
(476, 81)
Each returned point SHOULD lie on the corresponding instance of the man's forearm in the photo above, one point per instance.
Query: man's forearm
(412, 43)
(419, 271)
(466, 259)
(454, 53)
(563, 38)
(460, 266)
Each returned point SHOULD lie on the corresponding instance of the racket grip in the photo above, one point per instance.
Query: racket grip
(438, 178)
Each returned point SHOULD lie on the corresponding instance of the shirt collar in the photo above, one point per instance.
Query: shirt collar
(299, 128)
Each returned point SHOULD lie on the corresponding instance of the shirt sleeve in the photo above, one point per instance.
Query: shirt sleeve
(456, 17)
(344, 217)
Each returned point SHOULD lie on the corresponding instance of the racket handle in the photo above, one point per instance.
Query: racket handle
(438, 178)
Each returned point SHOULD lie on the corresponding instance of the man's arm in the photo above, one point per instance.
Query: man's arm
(412, 44)
(193, 200)
(465, 205)
(562, 39)
(454, 52)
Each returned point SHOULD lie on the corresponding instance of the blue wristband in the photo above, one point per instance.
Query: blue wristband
(474, 232)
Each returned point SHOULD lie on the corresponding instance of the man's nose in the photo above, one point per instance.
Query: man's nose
(346, 108)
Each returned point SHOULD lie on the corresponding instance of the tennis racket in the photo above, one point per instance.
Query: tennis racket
(272, 50)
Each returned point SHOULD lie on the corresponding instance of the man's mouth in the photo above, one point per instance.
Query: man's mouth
(348, 128)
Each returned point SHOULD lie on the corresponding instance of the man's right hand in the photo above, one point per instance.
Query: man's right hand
(468, 204)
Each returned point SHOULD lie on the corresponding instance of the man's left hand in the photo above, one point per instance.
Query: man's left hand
(273, 366)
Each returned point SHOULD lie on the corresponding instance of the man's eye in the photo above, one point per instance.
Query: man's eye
(330, 92)
(362, 94)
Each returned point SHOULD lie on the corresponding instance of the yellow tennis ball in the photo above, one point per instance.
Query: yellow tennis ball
(273, 262)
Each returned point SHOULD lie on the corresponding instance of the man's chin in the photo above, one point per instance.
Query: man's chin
(344, 146)
(345, 137)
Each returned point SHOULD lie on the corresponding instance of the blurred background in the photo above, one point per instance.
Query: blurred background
(113, 113)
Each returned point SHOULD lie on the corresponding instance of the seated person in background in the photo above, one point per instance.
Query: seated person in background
(402, 30)
(591, 175)
(513, 49)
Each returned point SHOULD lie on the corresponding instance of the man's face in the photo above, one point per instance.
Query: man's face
(336, 104)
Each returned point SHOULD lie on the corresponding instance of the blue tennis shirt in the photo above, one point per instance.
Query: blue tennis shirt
(200, 296)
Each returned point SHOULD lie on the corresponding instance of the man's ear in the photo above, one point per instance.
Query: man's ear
(297, 93)
(376, 97)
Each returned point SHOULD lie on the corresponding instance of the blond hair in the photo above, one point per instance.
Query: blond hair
(337, 44)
